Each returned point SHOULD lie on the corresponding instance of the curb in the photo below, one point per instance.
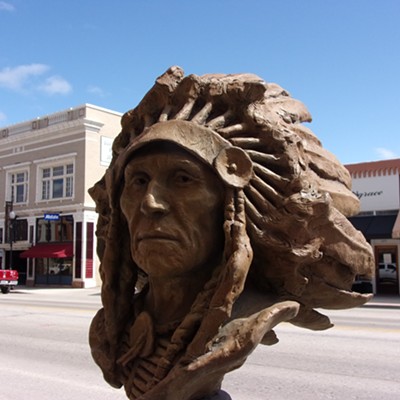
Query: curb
(382, 305)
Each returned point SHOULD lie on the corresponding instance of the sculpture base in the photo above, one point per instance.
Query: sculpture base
(220, 395)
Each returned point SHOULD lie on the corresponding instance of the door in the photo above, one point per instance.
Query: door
(387, 270)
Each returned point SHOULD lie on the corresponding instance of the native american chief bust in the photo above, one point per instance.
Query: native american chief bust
(220, 216)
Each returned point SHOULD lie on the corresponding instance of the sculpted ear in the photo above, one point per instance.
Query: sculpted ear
(234, 167)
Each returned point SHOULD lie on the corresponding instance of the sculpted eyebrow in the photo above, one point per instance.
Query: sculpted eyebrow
(134, 167)
(189, 166)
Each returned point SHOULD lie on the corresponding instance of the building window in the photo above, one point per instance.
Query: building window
(61, 230)
(89, 249)
(20, 230)
(19, 186)
(57, 182)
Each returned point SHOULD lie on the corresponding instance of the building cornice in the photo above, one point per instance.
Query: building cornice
(76, 116)
(374, 168)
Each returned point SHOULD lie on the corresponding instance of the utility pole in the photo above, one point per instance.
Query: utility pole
(11, 217)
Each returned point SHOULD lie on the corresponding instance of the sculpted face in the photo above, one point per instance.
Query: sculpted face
(174, 207)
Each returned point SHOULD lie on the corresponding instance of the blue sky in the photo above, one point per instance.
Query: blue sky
(341, 58)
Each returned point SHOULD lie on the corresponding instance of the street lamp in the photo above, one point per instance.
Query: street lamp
(11, 218)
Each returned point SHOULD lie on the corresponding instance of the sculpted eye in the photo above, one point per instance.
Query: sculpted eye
(138, 180)
(183, 178)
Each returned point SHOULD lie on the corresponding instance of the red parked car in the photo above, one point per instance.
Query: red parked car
(8, 279)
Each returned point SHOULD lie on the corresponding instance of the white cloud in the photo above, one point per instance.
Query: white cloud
(386, 154)
(22, 79)
(3, 117)
(56, 85)
(96, 91)
(4, 6)
(15, 78)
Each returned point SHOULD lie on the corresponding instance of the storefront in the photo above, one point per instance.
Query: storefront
(53, 252)
(63, 251)
(377, 185)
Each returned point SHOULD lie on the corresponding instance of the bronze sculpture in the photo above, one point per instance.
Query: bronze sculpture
(226, 216)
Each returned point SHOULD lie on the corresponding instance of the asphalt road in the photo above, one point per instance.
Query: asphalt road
(45, 355)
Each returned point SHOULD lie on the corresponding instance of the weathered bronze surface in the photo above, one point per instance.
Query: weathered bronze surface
(220, 216)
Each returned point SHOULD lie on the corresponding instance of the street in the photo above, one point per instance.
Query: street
(45, 354)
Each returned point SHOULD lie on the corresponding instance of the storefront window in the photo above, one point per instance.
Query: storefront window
(53, 271)
(55, 231)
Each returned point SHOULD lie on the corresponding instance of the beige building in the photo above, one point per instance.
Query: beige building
(377, 185)
(47, 165)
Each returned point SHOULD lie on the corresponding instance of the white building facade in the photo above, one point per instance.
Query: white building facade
(377, 185)
(47, 165)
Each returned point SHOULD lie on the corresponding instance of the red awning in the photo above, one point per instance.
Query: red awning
(49, 250)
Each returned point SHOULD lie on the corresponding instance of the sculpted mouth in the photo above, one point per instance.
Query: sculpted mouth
(156, 236)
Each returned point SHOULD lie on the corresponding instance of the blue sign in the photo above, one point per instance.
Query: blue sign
(51, 217)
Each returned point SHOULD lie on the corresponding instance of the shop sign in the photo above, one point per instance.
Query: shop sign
(51, 217)
(378, 192)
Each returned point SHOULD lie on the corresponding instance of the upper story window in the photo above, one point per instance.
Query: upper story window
(57, 182)
(19, 186)
(55, 177)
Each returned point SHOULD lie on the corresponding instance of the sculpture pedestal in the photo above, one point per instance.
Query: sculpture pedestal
(220, 395)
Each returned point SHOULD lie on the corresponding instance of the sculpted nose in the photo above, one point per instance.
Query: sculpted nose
(154, 202)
